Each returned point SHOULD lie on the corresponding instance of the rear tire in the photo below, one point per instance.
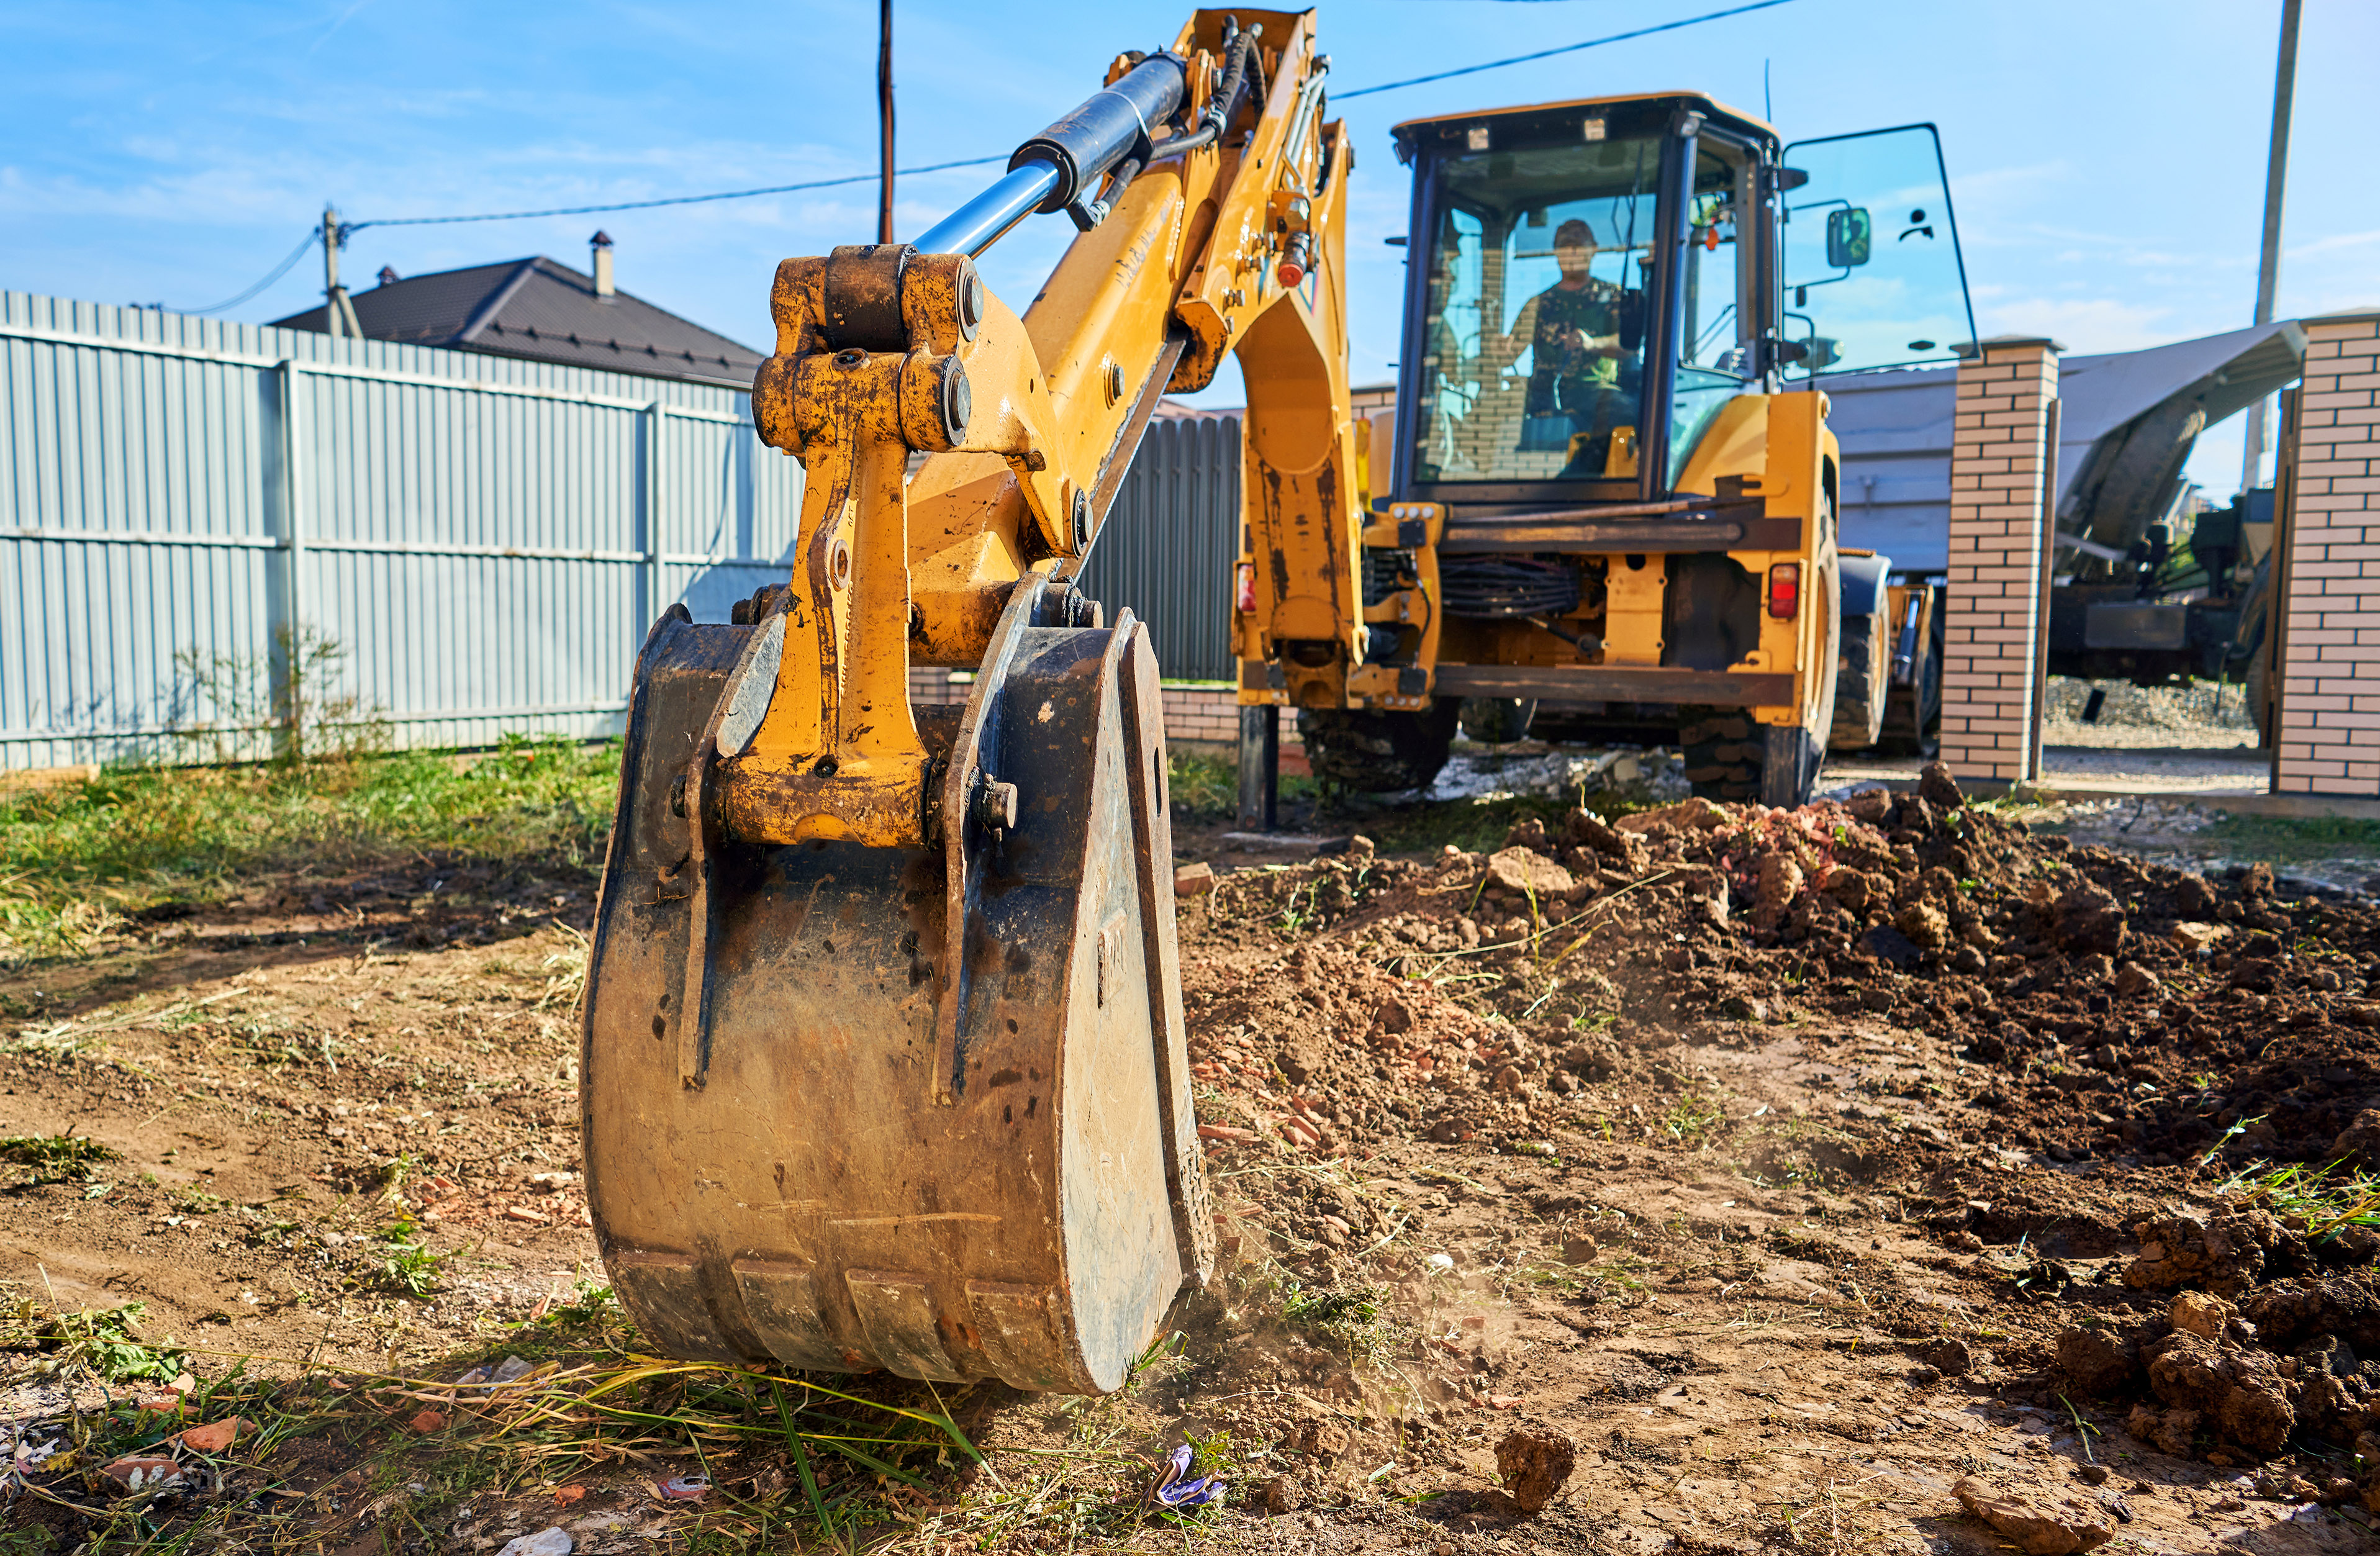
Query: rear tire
(1724, 752)
(1375, 753)
(1497, 721)
(1863, 682)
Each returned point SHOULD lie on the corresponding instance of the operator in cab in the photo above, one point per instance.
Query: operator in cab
(1575, 396)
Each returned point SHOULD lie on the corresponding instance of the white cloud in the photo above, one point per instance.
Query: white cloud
(2335, 241)
(2080, 325)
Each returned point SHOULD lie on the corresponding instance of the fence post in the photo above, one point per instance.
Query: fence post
(286, 653)
(650, 495)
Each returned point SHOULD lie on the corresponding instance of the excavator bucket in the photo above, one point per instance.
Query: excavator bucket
(922, 1110)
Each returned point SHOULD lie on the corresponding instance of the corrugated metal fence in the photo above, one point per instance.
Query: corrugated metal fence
(483, 541)
(1168, 545)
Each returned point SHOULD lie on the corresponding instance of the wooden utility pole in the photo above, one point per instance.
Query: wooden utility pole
(2268, 263)
(884, 113)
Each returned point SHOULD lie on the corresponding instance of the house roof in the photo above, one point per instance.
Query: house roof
(548, 312)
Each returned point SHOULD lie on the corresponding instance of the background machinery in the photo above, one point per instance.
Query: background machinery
(884, 1063)
(1608, 492)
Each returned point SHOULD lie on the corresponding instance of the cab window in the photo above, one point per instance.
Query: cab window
(1533, 327)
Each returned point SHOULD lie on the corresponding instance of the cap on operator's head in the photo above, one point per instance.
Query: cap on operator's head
(1573, 233)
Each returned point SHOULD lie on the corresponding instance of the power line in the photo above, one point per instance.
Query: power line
(278, 272)
(1566, 48)
(347, 228)
(980, 161)
(674, 200)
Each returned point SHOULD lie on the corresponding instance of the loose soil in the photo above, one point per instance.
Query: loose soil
(1831, 1180)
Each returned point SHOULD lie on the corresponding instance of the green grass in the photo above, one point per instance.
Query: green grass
(2317, 1200)
(77, 860)
(2289, 839)
(1207, 788)
(56, 1159)
(105, 1340)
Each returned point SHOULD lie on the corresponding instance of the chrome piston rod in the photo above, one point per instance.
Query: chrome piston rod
(983, 221)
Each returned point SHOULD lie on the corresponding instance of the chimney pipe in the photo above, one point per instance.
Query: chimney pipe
(604, 289)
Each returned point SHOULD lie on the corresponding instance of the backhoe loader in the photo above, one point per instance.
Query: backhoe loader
(1607, 494)
(884, 1057)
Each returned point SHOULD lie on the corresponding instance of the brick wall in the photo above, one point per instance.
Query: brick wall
(2329, 735)
(1998, 458)
(1195, 715)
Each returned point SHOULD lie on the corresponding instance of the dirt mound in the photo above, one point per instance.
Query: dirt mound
(2123, 1007)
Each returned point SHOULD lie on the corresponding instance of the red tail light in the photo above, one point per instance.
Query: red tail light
(1785, 590)
(1246, 594)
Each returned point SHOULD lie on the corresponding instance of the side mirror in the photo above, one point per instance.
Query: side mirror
(1823, 354)
(1848, 236)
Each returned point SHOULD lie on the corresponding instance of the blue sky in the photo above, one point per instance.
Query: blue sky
(2106, 156)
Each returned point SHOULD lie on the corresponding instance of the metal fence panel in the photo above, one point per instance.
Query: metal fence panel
(1169, 543)
(484, 541)
(480, 541)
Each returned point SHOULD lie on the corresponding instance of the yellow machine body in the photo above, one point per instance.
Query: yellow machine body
(884, 1063)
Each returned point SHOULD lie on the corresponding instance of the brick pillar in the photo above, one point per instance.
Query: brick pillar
(1999, 456)
(2329, 674)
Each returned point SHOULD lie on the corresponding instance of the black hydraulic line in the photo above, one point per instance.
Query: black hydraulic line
(1239, 61)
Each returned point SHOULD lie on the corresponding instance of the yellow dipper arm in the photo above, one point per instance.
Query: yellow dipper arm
(1223, 229)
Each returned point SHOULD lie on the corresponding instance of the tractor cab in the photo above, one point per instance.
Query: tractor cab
(1591, 283)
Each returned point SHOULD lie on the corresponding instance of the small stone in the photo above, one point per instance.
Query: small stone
(2134, 981)
(1924, 924)
(1194, 879)
(213, 1438)
(1534, 1465)
(2093, 1475)
(553, 1542)
(427, 1421)
(1849, 887)
(1524, 870)
(1938, 789)
(2201, 1314)
(2060, 1532)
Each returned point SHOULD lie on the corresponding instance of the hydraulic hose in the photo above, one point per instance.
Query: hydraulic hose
(1239, 64)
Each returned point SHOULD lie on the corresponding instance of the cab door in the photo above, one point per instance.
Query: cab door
(1873, 273)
